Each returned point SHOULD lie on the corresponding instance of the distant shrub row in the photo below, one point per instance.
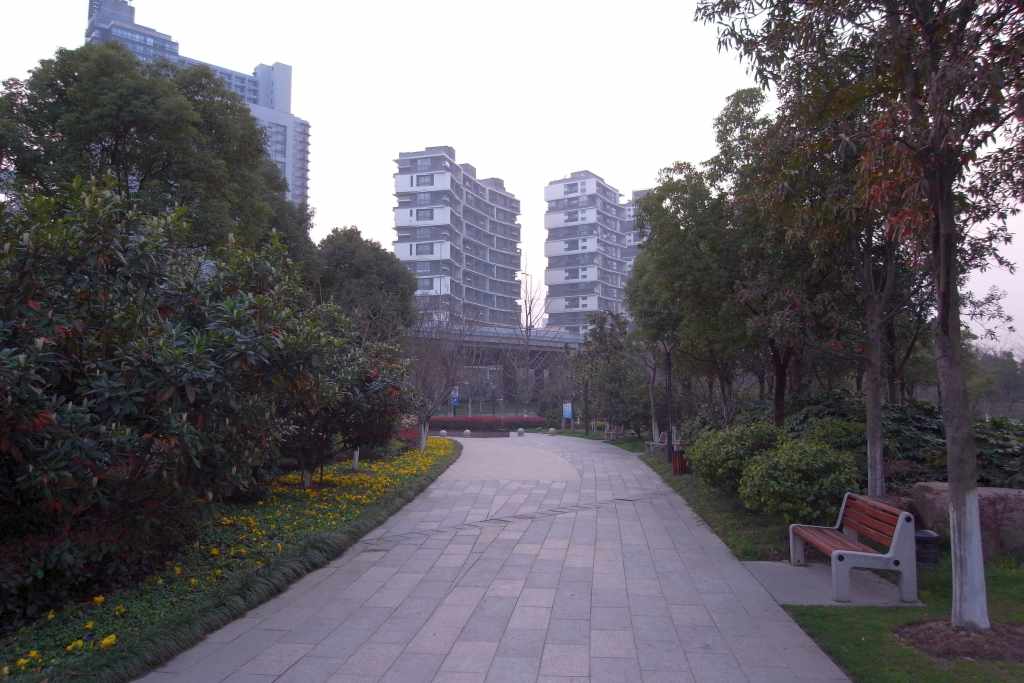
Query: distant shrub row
(490, 423)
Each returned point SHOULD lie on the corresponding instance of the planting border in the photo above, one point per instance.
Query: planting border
(163, 641)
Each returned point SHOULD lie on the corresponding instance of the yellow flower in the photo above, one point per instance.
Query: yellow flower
(193, 582)
(98, 600)
(214, 551)
(6, 670)
(89, 625)
(178, 570)
(22, 663)
(108, 642)
(33, 654)
(120, 610)
(51, 615)
(75, 645)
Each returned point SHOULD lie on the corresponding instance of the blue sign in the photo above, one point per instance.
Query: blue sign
(567, 411)
(455, 396)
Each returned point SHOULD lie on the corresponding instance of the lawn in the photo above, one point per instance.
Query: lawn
(244, 555)
(861, 640)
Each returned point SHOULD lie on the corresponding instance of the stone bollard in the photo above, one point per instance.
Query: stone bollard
(444, 432)
(519, 431)
(467, 433)
(551, 431)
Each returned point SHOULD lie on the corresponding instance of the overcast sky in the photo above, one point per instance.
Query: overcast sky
(525, 90)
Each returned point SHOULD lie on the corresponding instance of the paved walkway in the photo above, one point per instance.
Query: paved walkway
(577, 564)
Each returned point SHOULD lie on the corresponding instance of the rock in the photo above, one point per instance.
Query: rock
(1002, 515)
(519, 431)
(444, 432)
(551, 430)
(467, 433)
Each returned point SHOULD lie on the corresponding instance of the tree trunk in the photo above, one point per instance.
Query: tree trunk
(650, 396)
(780, 365)
(424, 430)
(668, 403)
(970, 604)
(891, 369)
(873, 398)
(586, 407)
(307, 478)
(355, 459)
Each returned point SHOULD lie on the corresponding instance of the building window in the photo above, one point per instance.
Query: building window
(422, 164)
(572, 273)
(572, 216)
(424, 283)
(426, 179)
(423, 234)
(422, 266)
(424, 214)
(572, 245)
(572, 302)
(423, 198)
(570, 188)
(424, 248)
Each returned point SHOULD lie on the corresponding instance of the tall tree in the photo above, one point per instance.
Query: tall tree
(170, 137)
(950, 138)
(369, 283)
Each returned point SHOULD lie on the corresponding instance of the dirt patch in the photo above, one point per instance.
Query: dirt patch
(938, 638)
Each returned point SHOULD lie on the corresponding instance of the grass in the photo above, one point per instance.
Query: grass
(861, 640)
(246, 554)
(749, 535)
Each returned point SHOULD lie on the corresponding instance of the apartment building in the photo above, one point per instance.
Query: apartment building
(591, 244)
(460, 235)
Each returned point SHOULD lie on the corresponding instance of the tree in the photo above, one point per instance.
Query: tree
(438, 350)
(369, 283)
(951, 137)
(170, 137)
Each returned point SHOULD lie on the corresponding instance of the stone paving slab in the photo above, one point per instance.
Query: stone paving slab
(812, 585)
(537, 559)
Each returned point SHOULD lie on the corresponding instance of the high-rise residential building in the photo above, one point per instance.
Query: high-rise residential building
(267, 91)
(460, 236)
(590, 249)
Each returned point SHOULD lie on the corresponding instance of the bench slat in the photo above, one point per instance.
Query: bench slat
(828, 540)
(865, 529)
(877, 504)
(869, 510)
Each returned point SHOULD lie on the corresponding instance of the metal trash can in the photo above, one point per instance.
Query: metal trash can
(927, 547)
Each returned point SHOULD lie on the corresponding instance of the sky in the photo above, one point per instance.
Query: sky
(527, 91)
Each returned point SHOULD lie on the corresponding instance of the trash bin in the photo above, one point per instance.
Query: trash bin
(927, 547)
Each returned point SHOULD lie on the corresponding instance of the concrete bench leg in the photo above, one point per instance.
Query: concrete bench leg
(797, 556)
(908, 582)
(840, 579)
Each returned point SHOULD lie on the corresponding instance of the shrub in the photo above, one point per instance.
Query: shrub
(801, 480)
(718, 457)
(836, 433)
(486, 423)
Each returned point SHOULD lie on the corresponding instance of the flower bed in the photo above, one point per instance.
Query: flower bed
(247, 553)
(488, 423)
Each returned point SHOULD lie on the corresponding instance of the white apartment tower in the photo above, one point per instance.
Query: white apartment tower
(267, 90)
(590, 247)
(460, 236)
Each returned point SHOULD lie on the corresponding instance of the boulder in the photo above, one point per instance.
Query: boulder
(1002, 515)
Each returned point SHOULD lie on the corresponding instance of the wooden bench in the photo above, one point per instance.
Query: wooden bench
(862, 520)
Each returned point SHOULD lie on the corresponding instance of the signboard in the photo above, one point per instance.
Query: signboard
(455, 396)
(567, 411)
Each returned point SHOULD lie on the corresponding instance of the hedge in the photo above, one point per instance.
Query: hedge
(486, 423)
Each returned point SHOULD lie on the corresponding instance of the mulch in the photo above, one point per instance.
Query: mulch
(1004, 642)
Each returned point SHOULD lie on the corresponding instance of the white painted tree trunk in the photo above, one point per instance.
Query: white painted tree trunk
(355, 459)
(970, 599)
(424, 430)
(307, 479)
